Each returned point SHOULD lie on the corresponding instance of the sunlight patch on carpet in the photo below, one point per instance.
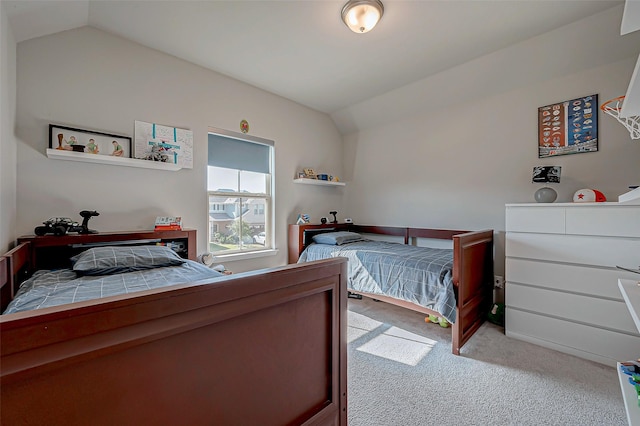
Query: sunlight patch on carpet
(359, 325)
(399, 345)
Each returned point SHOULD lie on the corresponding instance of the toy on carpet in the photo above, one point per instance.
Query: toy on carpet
(496, 314)
(437, 320)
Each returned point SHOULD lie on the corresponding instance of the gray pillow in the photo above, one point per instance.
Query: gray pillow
(116, 260)
(337, 238)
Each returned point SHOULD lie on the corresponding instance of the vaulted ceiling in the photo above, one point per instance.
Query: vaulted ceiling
(301, 50)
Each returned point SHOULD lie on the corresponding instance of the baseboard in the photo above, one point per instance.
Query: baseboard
(562, 348)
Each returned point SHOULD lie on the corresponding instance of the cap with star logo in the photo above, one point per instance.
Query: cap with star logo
(588, 196)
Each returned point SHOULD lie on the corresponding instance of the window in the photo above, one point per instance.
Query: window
(239, 187)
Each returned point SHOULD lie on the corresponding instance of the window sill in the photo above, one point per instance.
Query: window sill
(231, 257)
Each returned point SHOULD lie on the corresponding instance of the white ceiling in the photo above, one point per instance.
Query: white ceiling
(301, 50)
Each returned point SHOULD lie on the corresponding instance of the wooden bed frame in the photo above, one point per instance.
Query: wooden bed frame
(472, 269)
(264, 347)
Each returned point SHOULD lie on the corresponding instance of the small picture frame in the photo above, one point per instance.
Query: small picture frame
(88, 141)
(546, 174)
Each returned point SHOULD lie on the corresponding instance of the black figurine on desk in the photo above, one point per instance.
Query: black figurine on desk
(335, 220)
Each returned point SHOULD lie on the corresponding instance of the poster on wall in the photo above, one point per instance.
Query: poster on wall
(569, 127)
(155, 142)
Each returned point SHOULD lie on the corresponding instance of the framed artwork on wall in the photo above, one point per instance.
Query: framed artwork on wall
(88, 141)
(167, 144)
(569, 127)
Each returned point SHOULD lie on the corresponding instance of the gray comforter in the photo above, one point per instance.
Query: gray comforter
(52, 288)
(420, 275)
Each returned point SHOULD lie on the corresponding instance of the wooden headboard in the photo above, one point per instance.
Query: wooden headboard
(5, 284)
(53, 252)
(300, 235)
(49, 251)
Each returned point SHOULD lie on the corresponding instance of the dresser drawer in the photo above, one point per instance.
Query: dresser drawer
(601, 313)
(597, 251)
(564, 277)
(535, 219)
(615, 221)
(592, 343)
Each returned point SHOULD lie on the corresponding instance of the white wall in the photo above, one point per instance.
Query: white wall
(89, 79)
(456, 166)
(7, 137)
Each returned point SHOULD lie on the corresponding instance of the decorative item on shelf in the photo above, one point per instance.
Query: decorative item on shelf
(302, 219)
(323, 220)
(589, 196)
(244, 126)
(614, 107)
(309, 173)
(334, 178)
(335, 219)
(88, 141)
(348, 220)
(168, 223)
(323, 176)
(546, 174)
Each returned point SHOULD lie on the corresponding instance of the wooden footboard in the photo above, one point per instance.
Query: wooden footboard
(266, 347)
(473, 278)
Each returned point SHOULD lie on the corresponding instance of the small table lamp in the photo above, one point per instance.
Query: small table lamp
(546, 174)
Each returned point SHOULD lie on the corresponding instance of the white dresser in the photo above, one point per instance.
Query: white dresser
(562, 281)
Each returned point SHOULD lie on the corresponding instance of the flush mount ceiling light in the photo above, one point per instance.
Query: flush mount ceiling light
(362, 15)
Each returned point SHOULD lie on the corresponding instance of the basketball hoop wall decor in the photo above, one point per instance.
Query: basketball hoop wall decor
(613, 107)
(569, 127)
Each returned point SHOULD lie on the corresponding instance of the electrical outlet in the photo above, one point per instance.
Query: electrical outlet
(498, 281)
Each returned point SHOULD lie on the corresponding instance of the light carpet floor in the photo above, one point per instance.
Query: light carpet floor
(401, 372)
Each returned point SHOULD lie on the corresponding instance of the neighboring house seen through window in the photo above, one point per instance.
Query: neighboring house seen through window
(239, 182)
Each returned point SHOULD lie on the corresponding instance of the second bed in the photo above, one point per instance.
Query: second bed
(453, 283)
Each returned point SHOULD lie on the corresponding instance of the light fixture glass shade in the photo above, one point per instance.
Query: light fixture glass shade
(362, 15)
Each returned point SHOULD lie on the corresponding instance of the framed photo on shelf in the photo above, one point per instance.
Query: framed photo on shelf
(569, 127)
(88, 141)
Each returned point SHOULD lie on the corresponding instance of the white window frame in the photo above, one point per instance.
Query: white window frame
(269, 207)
